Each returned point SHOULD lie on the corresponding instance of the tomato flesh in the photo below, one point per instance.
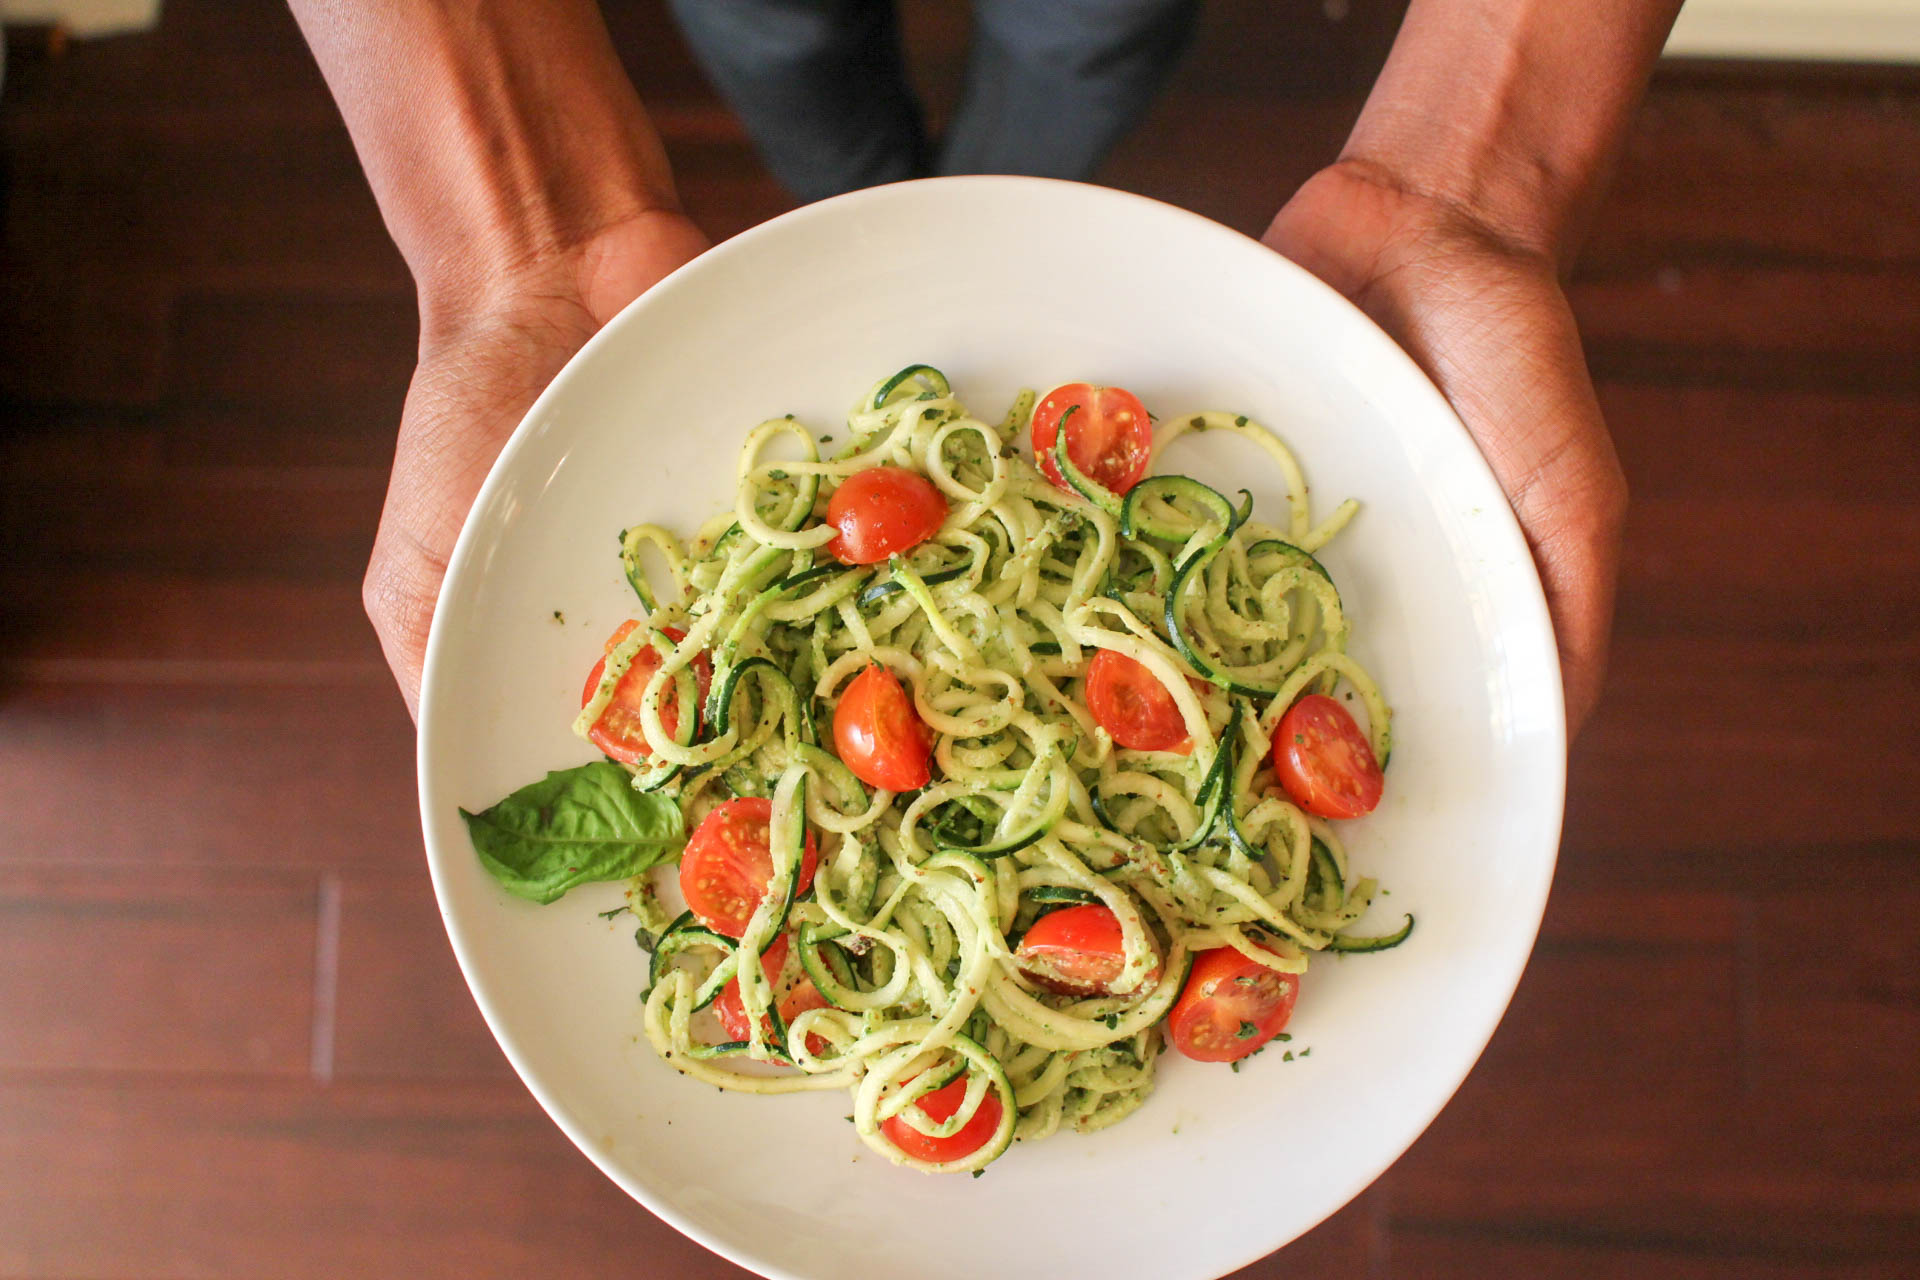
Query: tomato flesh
(732, 1010)
(1131, 704)
(881, 512)
(879, 735)
(1109, 434)
(1230, 1006)
(1075, 951)
(618, 731)
(941, 1105)
(1323, 761)
(728, 864)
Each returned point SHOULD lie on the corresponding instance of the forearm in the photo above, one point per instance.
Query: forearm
(493, 132)
(1513, 110)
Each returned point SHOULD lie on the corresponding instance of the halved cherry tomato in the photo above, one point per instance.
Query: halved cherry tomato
(940, 1105)
(1075, 951)
(1108, 437)
(727, 864)
(878, 734)
(883, 511)
(1131, 704)
(804, 996)
(617, 732)
(1230, 1006)
(1323, 760)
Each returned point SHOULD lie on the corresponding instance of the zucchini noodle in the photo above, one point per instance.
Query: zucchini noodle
(910, 927)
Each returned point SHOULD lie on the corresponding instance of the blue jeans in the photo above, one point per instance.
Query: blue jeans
(1051, 85)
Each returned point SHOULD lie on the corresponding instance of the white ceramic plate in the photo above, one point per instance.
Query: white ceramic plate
(1004, 283)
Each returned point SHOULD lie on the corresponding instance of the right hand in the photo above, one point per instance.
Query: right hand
(1488, 322)
(487, 351)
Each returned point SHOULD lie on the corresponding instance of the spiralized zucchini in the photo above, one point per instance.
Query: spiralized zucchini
(911, 923)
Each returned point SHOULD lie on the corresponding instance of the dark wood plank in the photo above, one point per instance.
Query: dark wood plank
(403, 1008)
(217, 521)
(1786, 326)
(286, 207)
(1730, 442)
(1792, 165)
(1609, 1112)
(210, 771)
(297, 1180)
(1835, 1031)
(1609, 1120)
(107, 969)
(78, 626)
(1773, 569)
(1540, 1251)
(86, 341)
(271, 352)
(1719, 762)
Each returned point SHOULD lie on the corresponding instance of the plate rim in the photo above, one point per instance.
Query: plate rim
(1531, 597)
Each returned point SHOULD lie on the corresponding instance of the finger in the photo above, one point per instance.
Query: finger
(477, 377)
(1498, 339)
(399, 591)
(461, 408)
(1503, 348)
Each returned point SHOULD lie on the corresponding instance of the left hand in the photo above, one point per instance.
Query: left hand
(488, 347)
(1486, 318)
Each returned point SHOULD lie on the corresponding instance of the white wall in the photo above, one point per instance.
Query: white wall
(85, 17)
(1846, 30)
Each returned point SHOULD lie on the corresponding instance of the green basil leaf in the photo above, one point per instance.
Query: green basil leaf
(573, 826)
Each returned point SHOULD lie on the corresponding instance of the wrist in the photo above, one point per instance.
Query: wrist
(1510, 112)
(499, 136)
(563, 291)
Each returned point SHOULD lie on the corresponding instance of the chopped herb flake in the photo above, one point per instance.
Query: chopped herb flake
(1247, 1031)
(1240, 421)
(1287, 1056)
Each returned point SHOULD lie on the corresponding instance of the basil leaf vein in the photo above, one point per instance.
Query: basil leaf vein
(574, 826)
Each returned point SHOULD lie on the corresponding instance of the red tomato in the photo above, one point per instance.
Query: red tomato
(1075, 951)
(878, 734)
(940, 1105)
(804, 996)
(1108, 436)
(883, 511)
(1131, 704)
(1323, 760)
(727, 864)
(1231, 1006)
(617, 732)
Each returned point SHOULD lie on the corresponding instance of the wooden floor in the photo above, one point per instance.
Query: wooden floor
(232, 1038)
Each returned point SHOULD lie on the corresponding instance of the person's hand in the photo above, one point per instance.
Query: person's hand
(1486, 318)
(487, 350)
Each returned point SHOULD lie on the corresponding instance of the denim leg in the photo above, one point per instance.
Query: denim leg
(819, 84)
(1052, 85)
